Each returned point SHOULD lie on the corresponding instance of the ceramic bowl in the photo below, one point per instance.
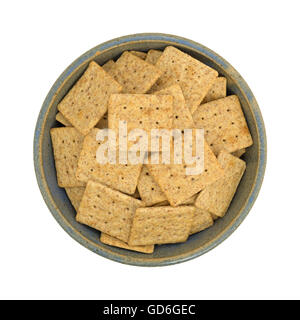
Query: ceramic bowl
(198, 244)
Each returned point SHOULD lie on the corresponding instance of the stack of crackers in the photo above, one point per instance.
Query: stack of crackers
(136, 206)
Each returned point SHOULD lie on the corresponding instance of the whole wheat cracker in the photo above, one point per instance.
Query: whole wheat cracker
(182, 117)
(121, 177)
(107, 210)
(177, 185)
(86, 102)
(158, 225)
(224, 124)
(134, 74)
(217, 197)
(194, 77)
(140, 111)
(151, 192)
(67, 143)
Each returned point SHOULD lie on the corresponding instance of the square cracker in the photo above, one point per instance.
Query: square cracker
(194, 77)
(140, 111)
(217, 197)
(105, 238)
(67, 143)
(202, 220)
(75, 195)
(217, 90)
(177, 185)
(60, 118)
(134, 74)
(182, 117)
(107, 210)
(151, 193)
(86, 102)
(158, 225)
(117, 176)
(224, 124)
(142, 55)
(153, 56)
(149, 190)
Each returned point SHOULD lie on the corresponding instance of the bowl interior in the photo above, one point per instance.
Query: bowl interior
(163, 254)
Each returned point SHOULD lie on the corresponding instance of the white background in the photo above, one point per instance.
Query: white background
(39, 39)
